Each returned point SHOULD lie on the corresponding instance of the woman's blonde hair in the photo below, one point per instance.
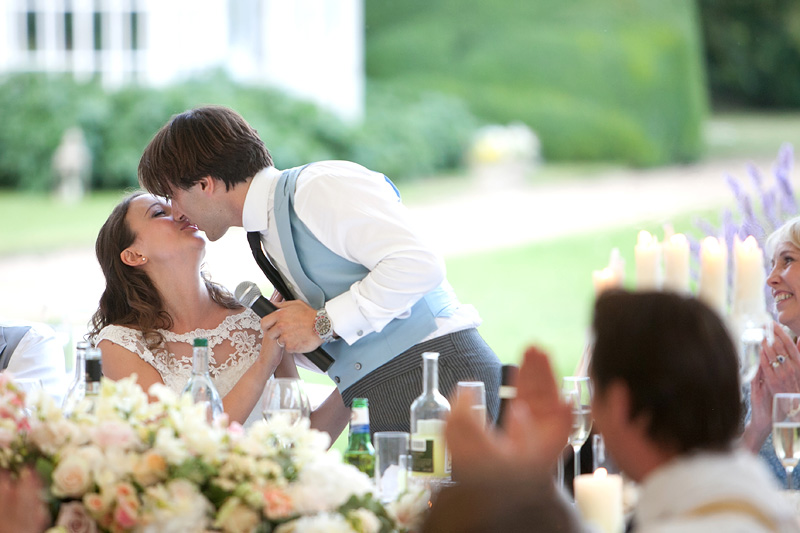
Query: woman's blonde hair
(789, 232)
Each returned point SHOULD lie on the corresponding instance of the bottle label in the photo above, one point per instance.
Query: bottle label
(359, 420)
(422, 455)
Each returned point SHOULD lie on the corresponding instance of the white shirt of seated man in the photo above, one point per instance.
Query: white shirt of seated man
(38, 359)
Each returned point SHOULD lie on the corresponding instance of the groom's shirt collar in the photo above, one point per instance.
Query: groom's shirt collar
(259, 200)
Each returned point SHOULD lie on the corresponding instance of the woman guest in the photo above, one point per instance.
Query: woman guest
(779, 369)
(157, 301)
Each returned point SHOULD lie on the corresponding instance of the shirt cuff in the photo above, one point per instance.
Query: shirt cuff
(346, 318)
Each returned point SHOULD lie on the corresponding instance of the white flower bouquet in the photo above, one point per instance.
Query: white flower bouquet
(130, 465)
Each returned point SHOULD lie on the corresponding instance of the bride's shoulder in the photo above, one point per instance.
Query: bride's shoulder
(244, 319)
(127, 337)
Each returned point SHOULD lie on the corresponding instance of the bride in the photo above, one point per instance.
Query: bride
(157, 301)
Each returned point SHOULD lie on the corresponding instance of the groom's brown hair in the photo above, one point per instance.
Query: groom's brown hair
(207, 141)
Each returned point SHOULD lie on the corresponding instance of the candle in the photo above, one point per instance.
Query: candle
(648, 262)
(598, 497)
(676, 263)
(611, 276)
(713, 285)
(603, 279)
(749, 278)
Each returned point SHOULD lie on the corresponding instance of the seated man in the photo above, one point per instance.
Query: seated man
(666, 399)
(33, 355)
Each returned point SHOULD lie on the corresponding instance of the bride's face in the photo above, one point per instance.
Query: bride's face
(784, 280)
(158, 234)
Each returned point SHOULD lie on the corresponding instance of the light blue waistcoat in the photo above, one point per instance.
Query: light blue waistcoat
(322, 275)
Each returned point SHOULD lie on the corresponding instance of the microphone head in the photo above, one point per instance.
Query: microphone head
(247, 293)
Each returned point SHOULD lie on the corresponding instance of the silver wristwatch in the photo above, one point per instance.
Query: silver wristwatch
(322, 326)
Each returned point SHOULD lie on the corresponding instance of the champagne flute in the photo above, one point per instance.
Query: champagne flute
(576, 390)
(786, 431)
(285, 398)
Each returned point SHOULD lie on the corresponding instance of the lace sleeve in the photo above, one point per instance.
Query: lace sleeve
(128, 338)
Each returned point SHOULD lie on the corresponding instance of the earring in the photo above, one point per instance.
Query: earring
(144, 259)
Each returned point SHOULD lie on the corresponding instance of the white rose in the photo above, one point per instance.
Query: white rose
(72, 477)
(235, 517)
(52, 436)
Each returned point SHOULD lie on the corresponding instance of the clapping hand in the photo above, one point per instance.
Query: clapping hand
(778, 371)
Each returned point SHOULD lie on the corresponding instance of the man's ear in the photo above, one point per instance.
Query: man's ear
(132, 258)
(207, 184)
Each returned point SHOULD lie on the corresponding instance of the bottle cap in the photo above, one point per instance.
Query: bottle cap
(200, 342)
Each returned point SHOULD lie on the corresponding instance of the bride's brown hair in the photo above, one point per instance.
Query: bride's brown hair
(130, 297)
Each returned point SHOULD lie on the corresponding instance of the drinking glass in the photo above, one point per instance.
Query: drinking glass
(576, 390)
(391, 467)
(786, 430)
(285, 398)
(473, 392)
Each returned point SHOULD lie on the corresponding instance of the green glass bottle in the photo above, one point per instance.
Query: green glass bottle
(360, 452)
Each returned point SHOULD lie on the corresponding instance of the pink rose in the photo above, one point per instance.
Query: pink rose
(126, 513)
(75, 519)
(114, 435)
(277, 504)
(95, 504)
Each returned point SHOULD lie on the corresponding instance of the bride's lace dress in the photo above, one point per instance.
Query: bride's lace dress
(233, 347)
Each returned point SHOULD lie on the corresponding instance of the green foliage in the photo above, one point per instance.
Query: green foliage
(404, 135)
(597, 80)
(753, 51)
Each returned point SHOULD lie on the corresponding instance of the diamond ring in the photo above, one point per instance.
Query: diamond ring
(778, 361)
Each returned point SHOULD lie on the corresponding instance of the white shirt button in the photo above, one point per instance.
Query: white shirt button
(358, 366)
(359, 332)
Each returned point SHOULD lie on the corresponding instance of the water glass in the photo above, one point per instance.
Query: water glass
(285, 398)
(786, 430)
(391, 463)
(474, 393)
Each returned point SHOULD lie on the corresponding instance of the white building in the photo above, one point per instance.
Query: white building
(313, 49)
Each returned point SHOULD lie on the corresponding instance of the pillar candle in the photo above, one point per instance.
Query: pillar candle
(676, 263)
(713, 285)
(602, 280)
(598, 497)
(749, 278)
(648, 262)
(617, 264)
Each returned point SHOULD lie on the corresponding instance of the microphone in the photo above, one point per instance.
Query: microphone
(249, 294)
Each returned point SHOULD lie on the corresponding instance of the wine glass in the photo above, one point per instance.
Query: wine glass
(753, 330)
(576, 391)
(786, 430)
(285, 398)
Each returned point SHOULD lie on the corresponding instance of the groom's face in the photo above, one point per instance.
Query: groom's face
(201, 207)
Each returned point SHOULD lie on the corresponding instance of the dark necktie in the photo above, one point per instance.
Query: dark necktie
(274, 277)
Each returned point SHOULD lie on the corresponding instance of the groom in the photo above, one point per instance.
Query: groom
(354, 275)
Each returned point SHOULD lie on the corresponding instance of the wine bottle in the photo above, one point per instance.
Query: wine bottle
(77, 387)
(200, 387)
(93, 375)
(360, 452)
(429, 457)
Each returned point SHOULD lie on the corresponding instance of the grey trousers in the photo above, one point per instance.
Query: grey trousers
(463, 356)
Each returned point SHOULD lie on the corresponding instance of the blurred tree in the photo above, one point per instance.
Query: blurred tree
(596, 79)
(753, 51)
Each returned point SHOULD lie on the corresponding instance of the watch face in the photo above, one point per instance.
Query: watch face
(322, 325)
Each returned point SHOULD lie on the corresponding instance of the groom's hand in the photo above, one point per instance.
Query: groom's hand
(292, 326)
